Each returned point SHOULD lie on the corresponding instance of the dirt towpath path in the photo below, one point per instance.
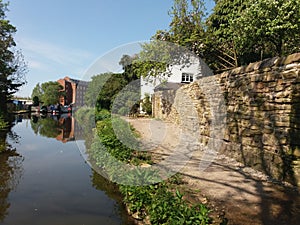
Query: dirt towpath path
(244, 195)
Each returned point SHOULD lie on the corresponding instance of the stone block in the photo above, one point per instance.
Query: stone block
(290, 74)
(267, 63)
(292, 58)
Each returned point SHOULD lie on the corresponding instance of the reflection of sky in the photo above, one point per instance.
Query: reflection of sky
(56, 185)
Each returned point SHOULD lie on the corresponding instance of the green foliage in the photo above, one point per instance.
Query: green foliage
(52, 91)
(48, 92)
(12, 65)
(147, 104)
(153, 59)
(186, 33)
(236, 33)
(240, 32)
(102, 115)
(219, 50)
(3, 123)
(36, 100)
(127, 101)
(37, 91)
(47, 127)
(103, 89)
(112, 143)
(85, 116)
(158, 201)
(187, 27)
(267, 27)
(129, 67)
(162, 205)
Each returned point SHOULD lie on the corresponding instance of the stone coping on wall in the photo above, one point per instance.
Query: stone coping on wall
(264, 65)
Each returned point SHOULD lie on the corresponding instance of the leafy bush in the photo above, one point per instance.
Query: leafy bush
(102, 114)
(147, 104)
(162, 206)
(158, 202)
(85, 116)
(3, 124)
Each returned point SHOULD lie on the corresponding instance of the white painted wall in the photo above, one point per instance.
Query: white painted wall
(197, 67)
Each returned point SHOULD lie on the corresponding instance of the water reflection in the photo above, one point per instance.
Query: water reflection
(62, 127)
(10, 171)
(57, 186)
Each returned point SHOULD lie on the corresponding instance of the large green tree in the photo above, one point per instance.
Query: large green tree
(12, 66)
(219, 46)
(49, 92)
(267, 28)
(236, 33)
(103, 89)
(187, 27)
(129, 67)
(244, 31)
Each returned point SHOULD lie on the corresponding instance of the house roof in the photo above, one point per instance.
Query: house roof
(168, 86)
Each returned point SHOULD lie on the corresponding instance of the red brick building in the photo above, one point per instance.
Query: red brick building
(75, 91)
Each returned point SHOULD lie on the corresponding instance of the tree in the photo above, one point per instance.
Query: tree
(103, 89)
(49, 92)
(46, 127)
(185, 40)
(267, 28)
(219, 46)
(36, 101)
(129, 67)
(37, 91)
(187, 27)
(12, 66)
(52, 91)
(240, 32)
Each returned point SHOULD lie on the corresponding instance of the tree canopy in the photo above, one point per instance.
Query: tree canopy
(237, 32)
(103, 89)
(49, 92)
(267, 28)
(12, 65)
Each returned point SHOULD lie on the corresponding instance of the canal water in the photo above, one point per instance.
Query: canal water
(44, 179)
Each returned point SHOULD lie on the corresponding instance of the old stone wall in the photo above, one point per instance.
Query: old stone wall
(253, 112)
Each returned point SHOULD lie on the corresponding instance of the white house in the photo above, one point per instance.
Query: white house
(179, 74)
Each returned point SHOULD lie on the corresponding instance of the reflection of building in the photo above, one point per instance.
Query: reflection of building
(75, 91)
(69, 129)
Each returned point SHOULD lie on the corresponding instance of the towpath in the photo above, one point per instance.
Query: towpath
(244, 195)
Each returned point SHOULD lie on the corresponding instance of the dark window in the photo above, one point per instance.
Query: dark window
(187, 78)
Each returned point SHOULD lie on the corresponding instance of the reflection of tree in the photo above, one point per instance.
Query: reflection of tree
(2, 140)
(102, 184)
(10, 174)
(112, 191)
(47, 127)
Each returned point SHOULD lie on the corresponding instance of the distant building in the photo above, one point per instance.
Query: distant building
(75, 91)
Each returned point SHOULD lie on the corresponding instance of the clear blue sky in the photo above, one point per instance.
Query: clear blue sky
(61, 38)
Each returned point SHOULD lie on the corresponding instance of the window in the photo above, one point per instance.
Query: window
(187, 78)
